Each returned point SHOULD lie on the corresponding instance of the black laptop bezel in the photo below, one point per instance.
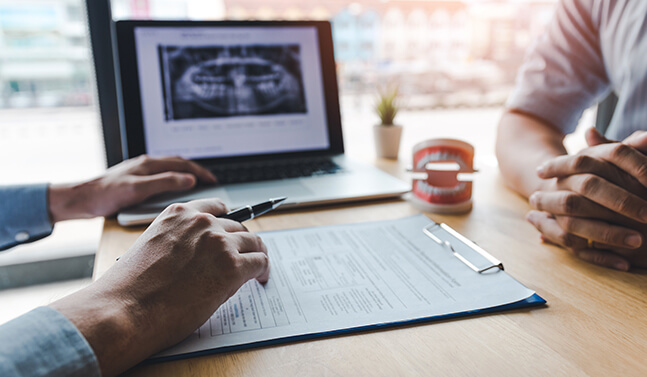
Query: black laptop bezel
(131, 107)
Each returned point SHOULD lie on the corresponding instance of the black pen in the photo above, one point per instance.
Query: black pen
(249, 212)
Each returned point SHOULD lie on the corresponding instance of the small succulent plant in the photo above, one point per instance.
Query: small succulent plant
(387, 105)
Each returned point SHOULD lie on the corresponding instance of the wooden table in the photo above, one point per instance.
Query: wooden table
(595, 323)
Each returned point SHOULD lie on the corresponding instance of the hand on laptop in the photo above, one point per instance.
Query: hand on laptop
(595, 202)
(124, 185)
(175, 276)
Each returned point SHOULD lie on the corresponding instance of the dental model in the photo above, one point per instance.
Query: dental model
(442, 181)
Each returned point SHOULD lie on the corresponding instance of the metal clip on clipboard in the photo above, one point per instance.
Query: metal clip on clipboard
(429, 231)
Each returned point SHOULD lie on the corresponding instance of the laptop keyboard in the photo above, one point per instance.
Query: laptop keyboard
(274, 170)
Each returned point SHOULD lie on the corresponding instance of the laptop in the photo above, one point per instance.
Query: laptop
(256, 102)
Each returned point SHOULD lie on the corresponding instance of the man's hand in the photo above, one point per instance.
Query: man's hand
(175, 276)
(594, 203)
(124, 185)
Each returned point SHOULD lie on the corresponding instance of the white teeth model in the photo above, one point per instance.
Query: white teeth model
(444, 191)
(440, 156)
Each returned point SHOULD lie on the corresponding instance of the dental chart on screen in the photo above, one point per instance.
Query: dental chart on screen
(223, 91)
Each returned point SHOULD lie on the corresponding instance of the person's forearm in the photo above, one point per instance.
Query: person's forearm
(70, 201)
(523, 144)
(174, 277)
(112, 325)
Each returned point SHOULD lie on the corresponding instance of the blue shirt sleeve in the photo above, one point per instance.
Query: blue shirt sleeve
(564, 72)
(44, 342)
(24, 216)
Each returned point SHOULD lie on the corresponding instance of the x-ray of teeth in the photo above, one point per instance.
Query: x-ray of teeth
(226, 81)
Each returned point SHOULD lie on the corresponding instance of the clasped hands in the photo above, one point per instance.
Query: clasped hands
(594, 203)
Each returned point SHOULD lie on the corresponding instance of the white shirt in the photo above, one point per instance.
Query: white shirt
(590, 48)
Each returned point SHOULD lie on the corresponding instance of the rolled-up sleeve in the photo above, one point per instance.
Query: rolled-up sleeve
(44, 342)
(24, 216)
(564, 72)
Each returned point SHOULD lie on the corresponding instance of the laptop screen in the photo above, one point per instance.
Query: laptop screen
(223, 91)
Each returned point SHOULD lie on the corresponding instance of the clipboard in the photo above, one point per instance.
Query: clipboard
(433, 231)
(439, 243)
(460, 242)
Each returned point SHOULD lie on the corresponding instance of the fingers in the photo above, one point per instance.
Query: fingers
(249, 243)
(601, 232)
(606, 194)
(149, 165)
(550, 229)
(604, 258)
(594, 137)
(216, 208)
(248, 254)
(637, 140)
(564, 166)
(149, 185)
(552, 232)
(253, 255)
(622, 164)
(213, 206)
(228, 237)
(571, 204)
(625, 157)
(232, 226)
(257, 266)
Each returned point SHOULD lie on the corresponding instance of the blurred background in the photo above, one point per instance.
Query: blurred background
(446, 54)
(455, 62)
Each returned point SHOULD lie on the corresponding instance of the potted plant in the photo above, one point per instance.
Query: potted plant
(387, 134)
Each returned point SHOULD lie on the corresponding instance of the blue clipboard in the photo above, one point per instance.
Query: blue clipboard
(532, 301)
(441, 234)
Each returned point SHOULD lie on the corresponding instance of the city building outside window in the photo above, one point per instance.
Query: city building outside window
(444, 54)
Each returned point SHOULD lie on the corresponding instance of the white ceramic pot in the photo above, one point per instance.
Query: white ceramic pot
(387, 140)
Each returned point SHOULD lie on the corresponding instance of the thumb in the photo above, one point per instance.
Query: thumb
(594, 137)
(637, 140)
(149, 185)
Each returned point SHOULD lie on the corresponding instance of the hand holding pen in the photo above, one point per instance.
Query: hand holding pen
(251, 211)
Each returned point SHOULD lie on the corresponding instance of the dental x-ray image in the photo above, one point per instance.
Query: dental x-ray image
(227, 81)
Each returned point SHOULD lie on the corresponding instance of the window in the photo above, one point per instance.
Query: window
(48, 125)
(434, 49)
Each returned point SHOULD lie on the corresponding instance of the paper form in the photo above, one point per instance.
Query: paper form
(345, 276)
